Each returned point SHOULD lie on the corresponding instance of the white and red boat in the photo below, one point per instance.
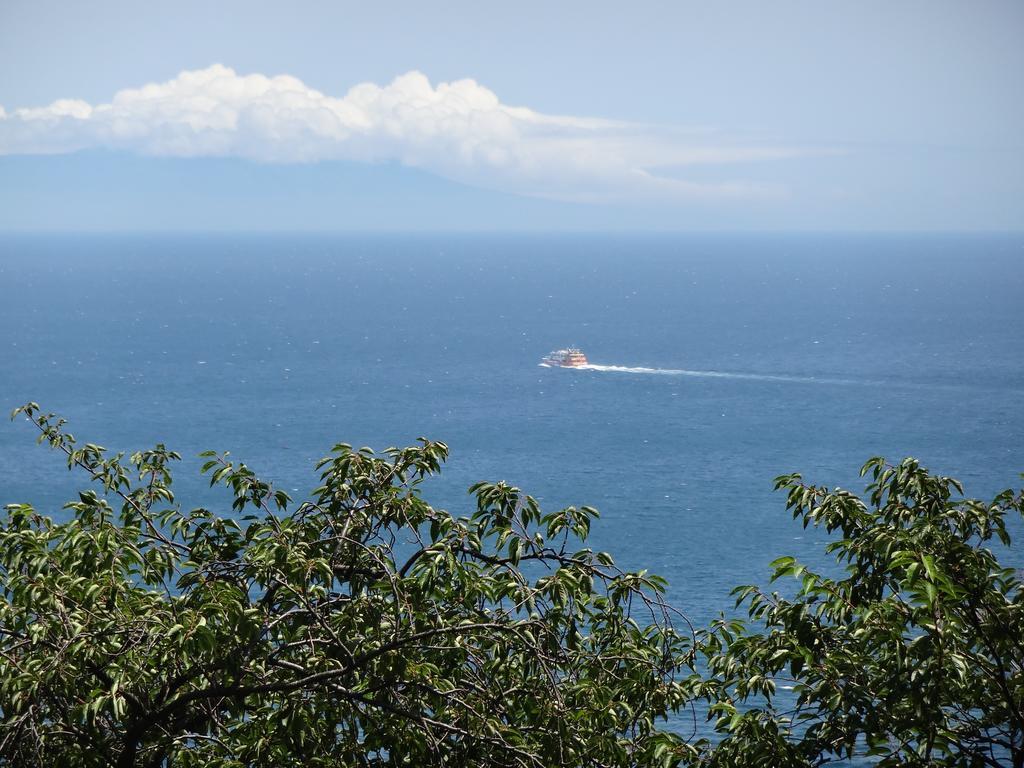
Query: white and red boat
(565, 358)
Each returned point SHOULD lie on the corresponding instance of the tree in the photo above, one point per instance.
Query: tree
(914, 657)
(364, 627)
(360, 627)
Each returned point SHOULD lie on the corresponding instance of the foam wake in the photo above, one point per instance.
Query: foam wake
(714, 374)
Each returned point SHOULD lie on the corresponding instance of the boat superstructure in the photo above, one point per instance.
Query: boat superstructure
(571, 357)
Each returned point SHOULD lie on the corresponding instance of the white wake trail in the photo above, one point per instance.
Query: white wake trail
(713, 374)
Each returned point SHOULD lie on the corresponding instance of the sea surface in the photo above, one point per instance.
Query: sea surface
(721, 361)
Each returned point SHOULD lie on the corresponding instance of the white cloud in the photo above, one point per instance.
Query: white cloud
(459, 130)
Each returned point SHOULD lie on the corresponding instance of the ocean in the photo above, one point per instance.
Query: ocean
(727, 360)
(721, 361)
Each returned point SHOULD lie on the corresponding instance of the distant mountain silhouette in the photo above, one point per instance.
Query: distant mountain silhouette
(107, 190)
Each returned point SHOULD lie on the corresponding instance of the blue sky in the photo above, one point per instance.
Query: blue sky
(650, 115)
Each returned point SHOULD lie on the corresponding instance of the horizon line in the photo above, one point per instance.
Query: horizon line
(285, 231)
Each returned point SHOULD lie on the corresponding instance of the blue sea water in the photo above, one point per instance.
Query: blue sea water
(767, 354)
(764, 355)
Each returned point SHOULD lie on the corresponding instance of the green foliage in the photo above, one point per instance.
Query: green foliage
(364, 627)
(360, 627)
(914, 657)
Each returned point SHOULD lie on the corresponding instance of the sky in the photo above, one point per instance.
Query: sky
(572, 115)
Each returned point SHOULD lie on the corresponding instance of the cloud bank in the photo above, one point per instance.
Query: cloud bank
(459, 130)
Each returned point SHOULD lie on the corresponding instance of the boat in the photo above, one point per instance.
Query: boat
(571, 357)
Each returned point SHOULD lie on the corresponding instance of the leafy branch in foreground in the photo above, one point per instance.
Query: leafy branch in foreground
(364, 627)
(914, 658)
(360, 627)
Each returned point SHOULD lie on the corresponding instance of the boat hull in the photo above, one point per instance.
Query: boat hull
(565, 358)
